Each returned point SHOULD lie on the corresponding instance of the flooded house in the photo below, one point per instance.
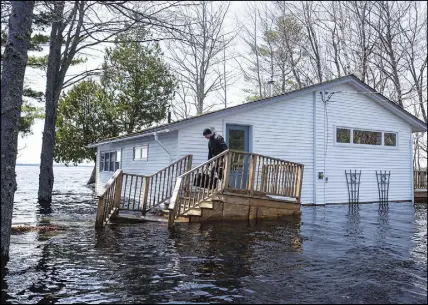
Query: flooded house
(328, 143)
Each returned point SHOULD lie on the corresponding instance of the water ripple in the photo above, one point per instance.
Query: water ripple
(330, 254)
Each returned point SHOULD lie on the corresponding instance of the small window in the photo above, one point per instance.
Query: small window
(102, 162)
(112, 160)
(141, 153)
(390, 139)
(109, 161)
(343, 135)
(118, 156)
(367, 137)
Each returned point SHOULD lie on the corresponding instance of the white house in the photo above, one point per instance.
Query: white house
(330, 127)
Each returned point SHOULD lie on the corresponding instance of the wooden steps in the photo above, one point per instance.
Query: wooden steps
(126, 216)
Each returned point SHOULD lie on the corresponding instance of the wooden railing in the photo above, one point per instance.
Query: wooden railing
(197, 185)
(420, 179)
(109, 200)
(145, 192)
(247, 172)
(257, 173)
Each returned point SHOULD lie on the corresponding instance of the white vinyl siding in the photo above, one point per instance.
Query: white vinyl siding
(282, 130)
(360, 112)
(157, 156)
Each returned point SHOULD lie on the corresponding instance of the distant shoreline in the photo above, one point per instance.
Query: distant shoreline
(55, 165)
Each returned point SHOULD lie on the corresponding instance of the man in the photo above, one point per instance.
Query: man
(216, 145)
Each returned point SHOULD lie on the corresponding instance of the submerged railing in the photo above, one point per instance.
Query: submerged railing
(109, 200)
(145, 192)
(246, 172)
(420, 179)
(197, 185)
(139, 192)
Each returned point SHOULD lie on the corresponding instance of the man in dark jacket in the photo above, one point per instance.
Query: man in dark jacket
(216, 146)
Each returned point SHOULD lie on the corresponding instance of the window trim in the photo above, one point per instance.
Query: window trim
(352, 144)
(146, 146)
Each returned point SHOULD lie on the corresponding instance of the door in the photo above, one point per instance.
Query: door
(238, 138)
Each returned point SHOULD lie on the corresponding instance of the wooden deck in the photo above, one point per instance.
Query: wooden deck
(232, 185)
(421, 195)
(229, 205)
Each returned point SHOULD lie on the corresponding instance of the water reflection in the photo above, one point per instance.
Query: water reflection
(353, 228)
(334, 254)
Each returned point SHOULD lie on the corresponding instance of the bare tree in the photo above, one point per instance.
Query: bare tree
(197, 52)
(415, 51)
(76, 27)
(12, 83)
(181, 108)
(360, 30)
(251, 69)
(388, 17)
(290, 39)
(308, 10)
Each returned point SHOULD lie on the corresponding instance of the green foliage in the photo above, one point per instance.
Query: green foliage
(29, 114)
(37, 40)
(41, 62)
(37, 95)
(137, 81)
(83, 117)
(135, 92)
(278, 44)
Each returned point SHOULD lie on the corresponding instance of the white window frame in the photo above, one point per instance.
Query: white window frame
(103, 166)
(141, 148)
(352, 144)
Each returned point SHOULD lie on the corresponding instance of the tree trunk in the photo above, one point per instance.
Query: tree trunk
(92, 178)
(12, 82)
(46, 177)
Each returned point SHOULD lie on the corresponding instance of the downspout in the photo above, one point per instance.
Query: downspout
(315, 147)
(163, 146)
(412, 179)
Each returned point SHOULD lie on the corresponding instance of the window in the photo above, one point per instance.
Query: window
(390, 139)
(109, 161)
(102, 162)
(141, 152)
(367, 137)
(343, 135)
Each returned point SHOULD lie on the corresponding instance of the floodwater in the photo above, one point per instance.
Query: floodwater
(333, 254)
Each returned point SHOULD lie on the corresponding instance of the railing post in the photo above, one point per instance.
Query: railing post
(226, 175)
(171, 217)
(189, 163)
(299, 183)
(251, 176)
(263, 185)
(187, 181)
(174, 203)
(117, 192)
(99, 220)
(146, 194)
